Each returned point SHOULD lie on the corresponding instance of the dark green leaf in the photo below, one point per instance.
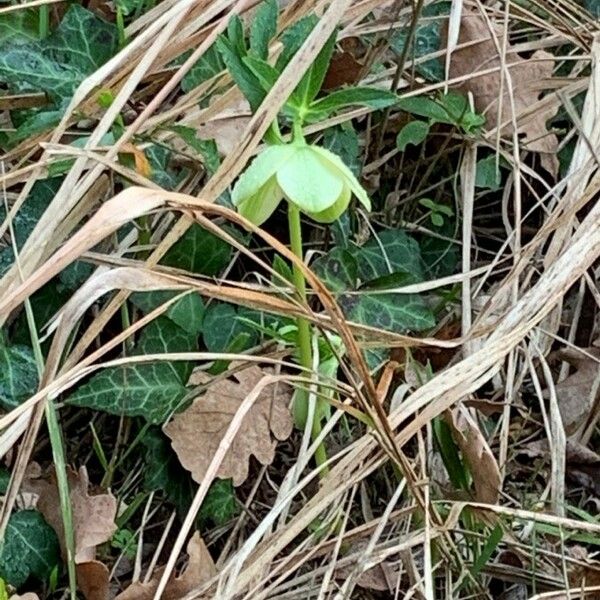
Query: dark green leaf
(264, 28)
(457, 471)
(208, 66)
(293, 37)
(162, 173)
(282, 268)
(390, 251)
(222, 328)
(263, 71)
(343, 141)
(311, 82)
(30, 549)
(338, 269)
(199, 251)
(164, 471)
(440, 256)
(220, 505)
(153, 391)
(413, 133)
(18, 374)
(188, 312)
(19, 26)
(4, 479)
(488, 174)
(73, 276)
(206, 148)
(391, 280)
(357, 96)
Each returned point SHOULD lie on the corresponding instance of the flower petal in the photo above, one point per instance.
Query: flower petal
(262, 168)
(259, 207)
(335, 210)
(337, 163)
(308, 182)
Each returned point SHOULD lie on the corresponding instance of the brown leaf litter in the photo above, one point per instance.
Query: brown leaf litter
(528, 77)
(197, 432)
(199, 570)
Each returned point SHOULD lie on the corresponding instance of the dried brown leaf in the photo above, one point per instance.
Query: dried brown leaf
(199, 570)
(476, 451)
(93, 516)
(93, 580)
(578, 393)
(197, 432)
(227, 127)
(527, 79)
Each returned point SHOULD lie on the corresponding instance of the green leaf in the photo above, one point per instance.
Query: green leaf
(206, 148)
(161, 336)
(18, 374)
(206, 68)
(390, 251)
(187, 312)
(357, 96)
(343, 141)
(220, 505)
(58, 64)
(164, 471)
(311, 82)
(223, 328)
(264, 28)
(293, 38)
(199, 251)
(440, 256)
(413, 133)
(263, 71)
(20, 26)
(153, 391)
(233, 56)
(392, 312)
(488, 175)
(30, 549)
(488, 549)
(162, 172)
(338, 269)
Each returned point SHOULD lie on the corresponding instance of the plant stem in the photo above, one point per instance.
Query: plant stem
(301, 402)
(44, 20)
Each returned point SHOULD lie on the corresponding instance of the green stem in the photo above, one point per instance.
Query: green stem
(301, 402)
(44, 21)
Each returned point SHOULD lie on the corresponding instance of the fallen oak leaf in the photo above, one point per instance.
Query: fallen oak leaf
(200, 569)
(197, 432)
(527, 76)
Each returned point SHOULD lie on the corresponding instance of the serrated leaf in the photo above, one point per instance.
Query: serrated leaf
(208, 66)
(412, 133)
(311, 81)
(199, 251)
(390, 251)
(153, 391)
(206, 148)
(220, 505)
(58, 64)
(222, 328)
(356, 96)
(18, 374)
(262, 70)
(188, 312)
(30, 548)
(264, 28)
(293, 37)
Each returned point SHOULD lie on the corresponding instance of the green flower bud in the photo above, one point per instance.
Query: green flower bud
(313, 178)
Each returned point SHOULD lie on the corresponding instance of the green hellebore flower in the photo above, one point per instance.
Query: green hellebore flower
(313, 178)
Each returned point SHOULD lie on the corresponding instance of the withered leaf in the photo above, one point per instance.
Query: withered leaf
(93, 516)
(199, 570)
(476, 451)
(93, 580)
(527, 81)
(197, 432)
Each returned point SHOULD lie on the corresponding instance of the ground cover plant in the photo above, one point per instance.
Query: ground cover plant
(299, 299)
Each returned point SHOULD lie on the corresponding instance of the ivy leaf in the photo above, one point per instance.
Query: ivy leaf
(356, 96)
(58, 64)
(338, 269)
(162, 172)
(30, 548)
(19, 26)
(188, 312)
(207, 67)
(220, 505)
(413, 133)
(440, 256)
(153, 391)
(206, 148)
(199, 251)
(343, 141)
(264, 28)
(390, 251)
(18, 374)
(224, 329)
(164, 472)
